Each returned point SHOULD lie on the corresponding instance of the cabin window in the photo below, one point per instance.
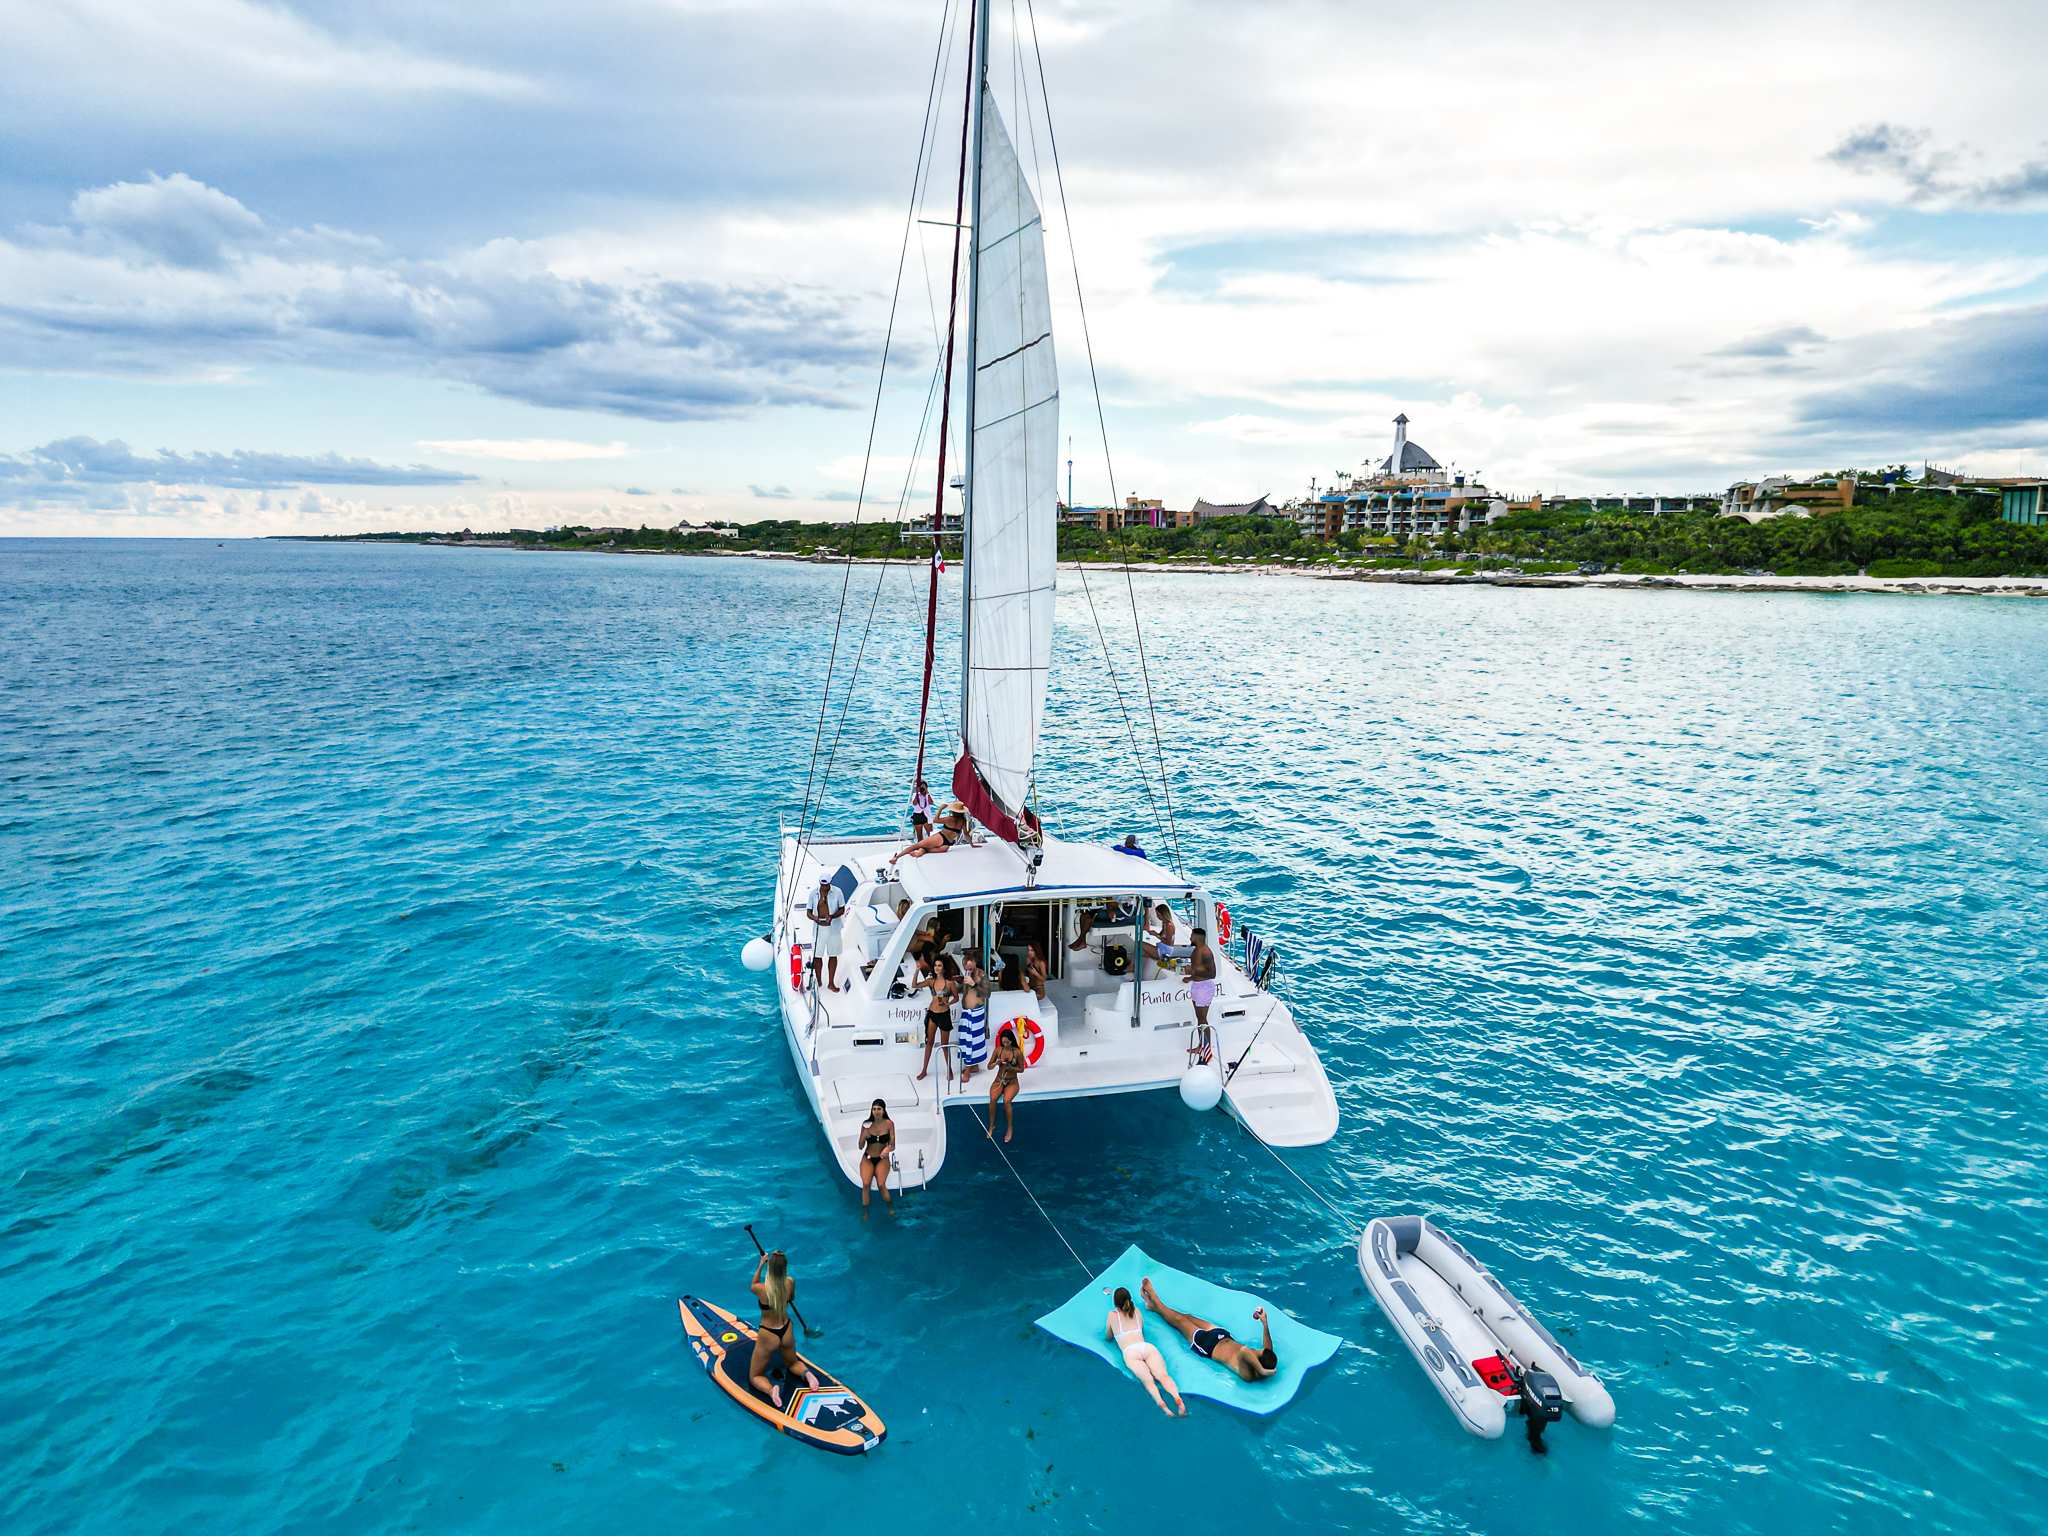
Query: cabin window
(1015, 927)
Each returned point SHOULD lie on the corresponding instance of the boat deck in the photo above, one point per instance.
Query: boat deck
(1102, 1035)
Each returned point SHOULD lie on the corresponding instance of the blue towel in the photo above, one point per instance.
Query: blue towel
(974, 1036)
(1300, 1347)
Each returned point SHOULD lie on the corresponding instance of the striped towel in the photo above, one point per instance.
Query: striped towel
(973, 1036)
(1254, 946)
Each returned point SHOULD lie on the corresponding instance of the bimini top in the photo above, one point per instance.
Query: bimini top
(997, 869)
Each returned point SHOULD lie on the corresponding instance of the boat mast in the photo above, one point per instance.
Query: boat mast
(977, 87)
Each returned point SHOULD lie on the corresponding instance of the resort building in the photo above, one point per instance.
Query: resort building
(1136, 512)
(1756, 501)
(1408, 493)
(921, 528)
(2024, 501)
(1258, 506)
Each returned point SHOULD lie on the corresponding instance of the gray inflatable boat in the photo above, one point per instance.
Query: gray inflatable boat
(1479, 1345)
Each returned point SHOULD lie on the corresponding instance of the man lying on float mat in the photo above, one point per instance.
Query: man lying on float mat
(1214, 1343)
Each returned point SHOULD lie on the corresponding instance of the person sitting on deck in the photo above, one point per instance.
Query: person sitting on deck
(1157, 946)
(951, 830)
(924, 945)
(1130, 845)
(1009, 1063)
(1214, 1343)
(1163, 929)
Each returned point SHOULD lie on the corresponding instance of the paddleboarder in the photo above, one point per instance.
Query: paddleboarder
(774, 1291)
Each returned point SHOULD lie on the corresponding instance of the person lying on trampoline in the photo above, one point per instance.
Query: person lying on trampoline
(1214, 1343)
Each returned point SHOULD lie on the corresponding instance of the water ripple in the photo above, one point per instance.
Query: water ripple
(376, 1069)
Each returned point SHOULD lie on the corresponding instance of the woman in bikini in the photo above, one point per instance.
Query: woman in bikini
(1126, 1330)
(774, 1292)
(877, 1142)
(1009, 1062)
(952, 828)
(943, 982)
(1035, 970)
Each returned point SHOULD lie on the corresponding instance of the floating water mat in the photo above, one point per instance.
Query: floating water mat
(1300, 1348)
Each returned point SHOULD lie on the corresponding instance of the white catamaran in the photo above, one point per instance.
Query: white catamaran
(1117, 1016)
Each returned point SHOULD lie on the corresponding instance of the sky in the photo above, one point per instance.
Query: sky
(327, 268)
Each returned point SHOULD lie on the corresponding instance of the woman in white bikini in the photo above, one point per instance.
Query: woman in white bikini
(1127, 1331)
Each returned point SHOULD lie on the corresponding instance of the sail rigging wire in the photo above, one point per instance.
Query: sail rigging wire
(924, 147)
(874, 601)
(931, 617)
(1171, 826)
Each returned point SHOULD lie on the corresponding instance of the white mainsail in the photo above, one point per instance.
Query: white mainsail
(1012, 532)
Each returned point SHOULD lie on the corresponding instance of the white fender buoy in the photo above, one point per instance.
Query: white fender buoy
(1201, 1087)
(758, 955)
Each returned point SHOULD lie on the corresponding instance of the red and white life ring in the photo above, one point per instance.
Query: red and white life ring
(1222, 923)
(1030, 1037)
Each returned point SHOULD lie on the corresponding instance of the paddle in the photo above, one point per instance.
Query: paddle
(809, 1331)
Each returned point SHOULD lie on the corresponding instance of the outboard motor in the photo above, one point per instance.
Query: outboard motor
(1542, 1404)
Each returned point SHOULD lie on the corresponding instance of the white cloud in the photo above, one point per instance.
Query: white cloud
(1639, 244)
(527, 450)
(230, 45)
(170, 277)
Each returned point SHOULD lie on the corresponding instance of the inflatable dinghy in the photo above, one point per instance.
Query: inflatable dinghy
(828, 1415)
(1479, 1345)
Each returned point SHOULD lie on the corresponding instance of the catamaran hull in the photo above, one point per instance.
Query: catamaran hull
(853, 1046)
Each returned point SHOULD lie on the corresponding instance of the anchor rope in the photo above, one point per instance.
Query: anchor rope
(1056, 1232)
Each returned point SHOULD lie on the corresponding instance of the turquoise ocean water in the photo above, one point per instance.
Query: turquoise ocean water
(376, 1067)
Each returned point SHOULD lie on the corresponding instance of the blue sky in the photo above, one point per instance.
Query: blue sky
(324, 267)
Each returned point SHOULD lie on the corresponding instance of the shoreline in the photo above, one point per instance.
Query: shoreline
(1913, 586)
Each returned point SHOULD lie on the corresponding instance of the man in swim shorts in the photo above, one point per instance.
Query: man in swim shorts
(1214, 1343)
(826, 912)
(1201, 976)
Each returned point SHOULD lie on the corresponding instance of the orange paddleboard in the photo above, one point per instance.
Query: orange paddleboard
(828, 1415)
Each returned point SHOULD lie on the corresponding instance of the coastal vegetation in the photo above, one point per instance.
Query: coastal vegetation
(1905, 533)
